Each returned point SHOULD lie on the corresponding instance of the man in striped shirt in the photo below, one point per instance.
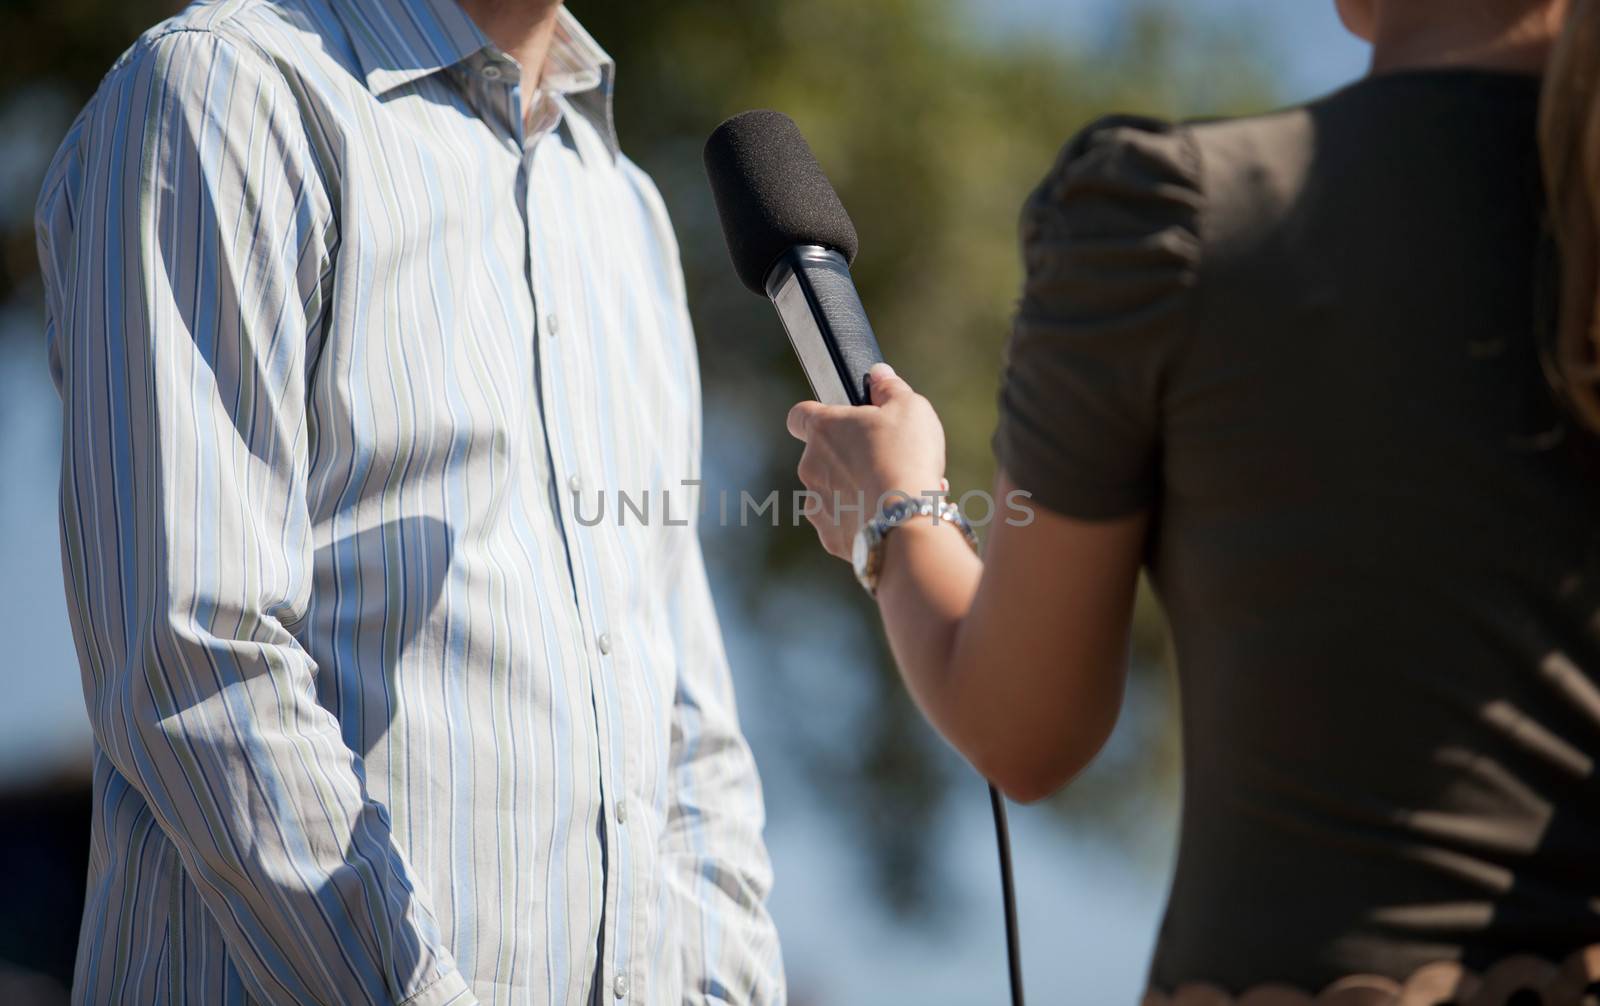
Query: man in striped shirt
(359, 316)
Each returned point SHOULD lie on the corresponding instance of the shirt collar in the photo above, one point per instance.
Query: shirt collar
(399, 41)
(578, 69)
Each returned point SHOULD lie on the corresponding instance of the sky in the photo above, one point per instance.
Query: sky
(1308, 47)
(1088, 918)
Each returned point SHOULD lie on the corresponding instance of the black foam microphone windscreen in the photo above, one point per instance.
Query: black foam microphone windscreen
(772, 195)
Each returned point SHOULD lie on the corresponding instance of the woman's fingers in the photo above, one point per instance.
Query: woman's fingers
(800, 417)
(883, 383)
(813, 468)
(805, 418)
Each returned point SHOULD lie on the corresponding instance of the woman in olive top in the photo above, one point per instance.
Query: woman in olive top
(1294, 366)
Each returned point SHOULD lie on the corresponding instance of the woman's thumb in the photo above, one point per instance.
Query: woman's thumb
(885, 385)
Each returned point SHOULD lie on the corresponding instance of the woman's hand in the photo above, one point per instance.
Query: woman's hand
(857, 455)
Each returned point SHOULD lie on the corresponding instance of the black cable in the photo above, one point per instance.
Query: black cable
(1008, 894)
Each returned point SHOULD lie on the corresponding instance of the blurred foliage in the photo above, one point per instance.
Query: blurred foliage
(55, 52)
(934, 130)
(934, 127)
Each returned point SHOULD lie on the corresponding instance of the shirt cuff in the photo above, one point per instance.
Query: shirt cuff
(451, 990)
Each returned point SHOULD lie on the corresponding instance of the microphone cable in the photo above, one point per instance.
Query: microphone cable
(1008, 894)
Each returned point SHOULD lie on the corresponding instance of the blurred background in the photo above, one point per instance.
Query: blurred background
(934, 118)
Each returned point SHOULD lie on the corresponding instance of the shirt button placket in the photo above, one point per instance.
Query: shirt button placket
(578, 539)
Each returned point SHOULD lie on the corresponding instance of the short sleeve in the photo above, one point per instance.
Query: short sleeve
(1110, 244)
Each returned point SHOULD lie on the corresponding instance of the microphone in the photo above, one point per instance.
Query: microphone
(791, 240)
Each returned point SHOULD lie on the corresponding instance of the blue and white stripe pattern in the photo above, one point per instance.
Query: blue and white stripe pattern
(348, 357)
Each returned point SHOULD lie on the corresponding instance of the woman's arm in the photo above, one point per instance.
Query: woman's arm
(1018, 660)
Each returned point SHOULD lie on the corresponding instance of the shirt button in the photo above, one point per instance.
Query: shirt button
(620, 987)
(575, 484)
(622, 812)
(604, 642)
(493, 72)
(552, 324)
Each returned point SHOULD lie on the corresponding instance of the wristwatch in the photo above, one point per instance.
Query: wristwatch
(867, 554)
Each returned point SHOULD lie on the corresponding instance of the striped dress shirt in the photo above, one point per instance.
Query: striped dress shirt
(352, 358)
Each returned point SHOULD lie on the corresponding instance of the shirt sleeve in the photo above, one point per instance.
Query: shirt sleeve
(1110, 250)
(184, 264)
(717, 871)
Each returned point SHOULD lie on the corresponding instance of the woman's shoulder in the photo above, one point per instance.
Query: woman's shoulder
(1124, 194)
(1152, 174)
(1124, 156)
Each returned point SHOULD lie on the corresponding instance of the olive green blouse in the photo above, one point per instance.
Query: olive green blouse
(1308, 344)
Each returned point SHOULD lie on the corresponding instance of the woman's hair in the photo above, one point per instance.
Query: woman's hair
(1569, 132)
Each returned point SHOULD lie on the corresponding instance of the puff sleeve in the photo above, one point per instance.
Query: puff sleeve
(1111, 249)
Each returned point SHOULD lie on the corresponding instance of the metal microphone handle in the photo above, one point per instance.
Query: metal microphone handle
(815, 296)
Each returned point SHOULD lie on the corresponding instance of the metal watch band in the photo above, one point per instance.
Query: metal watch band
(870, 539)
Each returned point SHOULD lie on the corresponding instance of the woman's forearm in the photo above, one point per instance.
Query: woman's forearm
(928, 596)
(926, 589)
(1018, 664)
